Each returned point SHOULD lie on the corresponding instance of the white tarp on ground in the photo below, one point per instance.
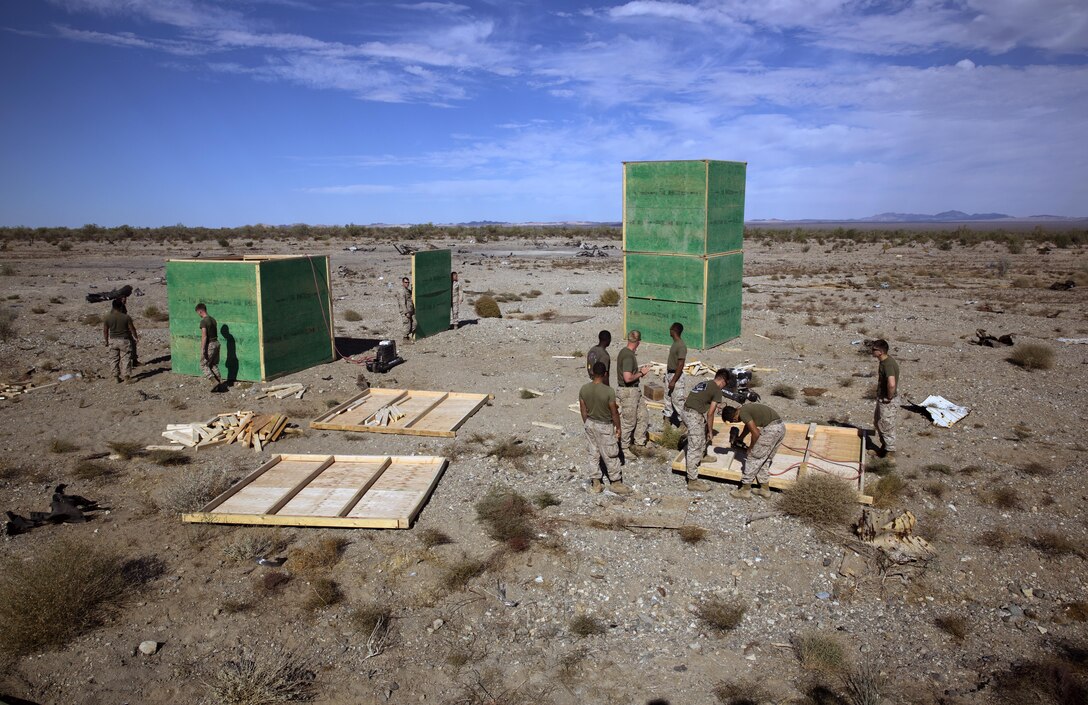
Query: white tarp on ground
(943, 412)
(1073, 341)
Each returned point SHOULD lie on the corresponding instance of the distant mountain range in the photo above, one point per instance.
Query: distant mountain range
(945, 217)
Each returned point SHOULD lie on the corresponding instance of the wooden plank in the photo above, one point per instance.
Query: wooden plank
(342, 407)
(436, 414)
(244, 482)
(300, 486)
(429, 408)
(363, 489)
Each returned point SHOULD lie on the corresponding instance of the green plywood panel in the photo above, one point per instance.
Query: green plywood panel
(432, 291)
(297, 314)
(665, 207)
(229, 290)
(653, 319)
(725, 206)
(723, 298)
(665, 277)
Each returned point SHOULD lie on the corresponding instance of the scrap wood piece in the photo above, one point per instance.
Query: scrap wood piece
(943, 412)
(893, 535)
(534, 392)
(552, 426)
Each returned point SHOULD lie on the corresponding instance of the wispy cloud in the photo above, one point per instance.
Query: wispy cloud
(450, 7)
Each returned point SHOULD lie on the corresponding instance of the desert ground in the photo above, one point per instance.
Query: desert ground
(588, 611)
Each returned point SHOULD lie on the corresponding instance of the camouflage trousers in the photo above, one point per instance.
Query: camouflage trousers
(757, 466)
(455, 312)
(696, 424)
(210, 364)
(121, 357)
(409, 321)
(602, 445)
(675, 401)
(634, 423)
(884, 419)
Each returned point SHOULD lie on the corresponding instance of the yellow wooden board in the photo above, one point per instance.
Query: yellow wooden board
(372, 491)
(831, 450)
(425, 413)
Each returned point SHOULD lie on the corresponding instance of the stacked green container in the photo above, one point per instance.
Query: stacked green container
(683, 231)
(273, 314)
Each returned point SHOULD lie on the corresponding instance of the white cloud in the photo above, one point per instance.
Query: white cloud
(434, 7)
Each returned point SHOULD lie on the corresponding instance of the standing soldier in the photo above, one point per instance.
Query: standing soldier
(209, 346)
(698, 410)
(599, 353)
(124, 309)
(675, 381)
(887, 407)
(119, 333)
(633, 420)
(767, 430)
(407, 307)
(455, 301)
(601, 419)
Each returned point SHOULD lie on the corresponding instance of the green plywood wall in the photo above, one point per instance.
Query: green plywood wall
(229, 290)
(296, 314)
(432, 291)
(723, 298)
(683, 207)
(272, 317)
(653, 319)
(664, 277)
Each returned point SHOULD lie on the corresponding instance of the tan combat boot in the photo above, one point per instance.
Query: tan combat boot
(620, 488)
(762, 491)
(596, 486)
(742, 492)
(699, 486)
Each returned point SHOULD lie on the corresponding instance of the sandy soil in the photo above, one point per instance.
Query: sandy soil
(805, 306)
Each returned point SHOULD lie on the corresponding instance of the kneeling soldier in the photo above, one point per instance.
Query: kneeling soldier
(767, 430)
(601, 419)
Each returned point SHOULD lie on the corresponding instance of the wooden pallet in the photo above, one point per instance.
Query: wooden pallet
(348, 491)
(425, 413)
(807, 448)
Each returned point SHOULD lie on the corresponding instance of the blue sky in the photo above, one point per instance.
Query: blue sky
(227, 112)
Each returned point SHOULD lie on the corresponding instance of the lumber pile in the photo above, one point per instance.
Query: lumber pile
(245, 427)
(384, 416)
(282, 391)
(692, 368)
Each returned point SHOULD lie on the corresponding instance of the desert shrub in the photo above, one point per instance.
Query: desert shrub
(59, 445)
(508, 517)
(670, 437)
(60, 591)
(316, 558)
(864, 685)
(1053, 544)
(487, 307)
(692, 534)
(742, 692)
(1005, 498)
(526, 394)
(1047, 679)
(997, 539)
(92, 319)
(271, 582)
(784, 390)
(250, 544)
(954, 625)
(352, 315)
(324, 592)
(585, 625)
(510, 449)
(90, 470)
(7, 323)
(578, 292)
(1076, 611)
(190, 491)
(608, 297)
(126, 450)
(1032, 356)
(1022, 431)
(819, 499)
(545, 499)
(433, 537)
(1023, 283)
(223, 242)
(823, 653)
(935, 489)
(458, 574)
(264, 676)
(1035, 469)
(880, 466)
(721, 614)
(939, 468)
(370, 617)
(154, 313)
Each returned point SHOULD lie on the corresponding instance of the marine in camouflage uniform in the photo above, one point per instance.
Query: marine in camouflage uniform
(676, 392)
(767, 431)
(601, 420)
(634, 424)
(407, 307)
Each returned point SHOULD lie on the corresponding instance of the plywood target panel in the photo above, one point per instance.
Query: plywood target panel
(830, 450)
(422, 413)
(360, 491)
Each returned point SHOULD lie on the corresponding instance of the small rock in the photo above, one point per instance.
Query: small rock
(823, 595)
(149, 648)
(437, 624)
(680, 669)
(827, 562)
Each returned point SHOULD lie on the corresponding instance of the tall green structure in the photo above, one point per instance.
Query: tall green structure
(273, 312)
(683, 233)
(432, 291)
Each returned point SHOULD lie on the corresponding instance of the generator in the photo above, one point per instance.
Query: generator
(737, 387)
(385, 359)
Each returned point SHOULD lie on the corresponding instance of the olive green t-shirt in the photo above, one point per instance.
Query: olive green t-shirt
(678, 352)
(888, 368)
(626, 362)
(118, 324)
(208, 323)
(759, 414)
(701, 395)
(598, 354)
(597, 398)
